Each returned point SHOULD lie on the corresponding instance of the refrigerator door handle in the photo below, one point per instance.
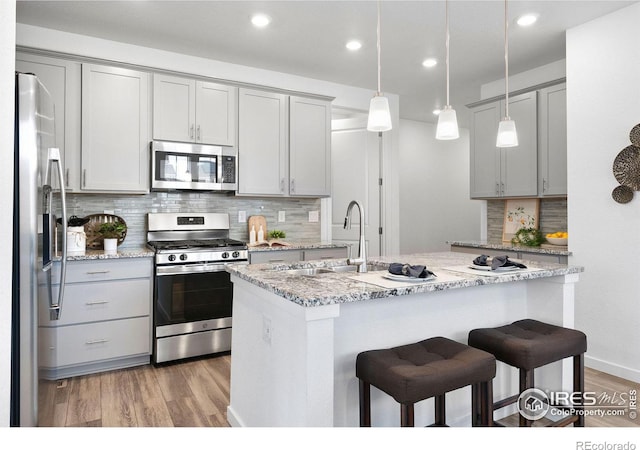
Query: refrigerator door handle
(55, 307)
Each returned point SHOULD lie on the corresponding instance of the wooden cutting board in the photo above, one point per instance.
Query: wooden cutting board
(256, 221)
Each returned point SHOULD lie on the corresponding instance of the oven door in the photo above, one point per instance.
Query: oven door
(188, 297)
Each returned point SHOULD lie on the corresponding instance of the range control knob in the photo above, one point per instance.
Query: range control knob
(225, 255)
(172, 257)
(235, 254)
(183, 257)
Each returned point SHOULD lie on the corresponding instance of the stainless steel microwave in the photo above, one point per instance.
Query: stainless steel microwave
(195, 167)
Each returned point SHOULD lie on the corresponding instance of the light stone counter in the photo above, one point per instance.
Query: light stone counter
(545, 250)
(141, 252)
(297, 245)
(295, 338)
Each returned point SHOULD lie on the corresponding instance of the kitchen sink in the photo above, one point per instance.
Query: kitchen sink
(307, 271)
(350, 268)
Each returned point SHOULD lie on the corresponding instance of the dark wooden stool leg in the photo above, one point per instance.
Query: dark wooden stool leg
(365, 404)
(476, 402)
(526, 382)
(578, 386)
(441, 411)
(486, 404)
(406, 415)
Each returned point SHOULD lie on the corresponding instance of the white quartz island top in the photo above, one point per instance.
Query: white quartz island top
(296, 338)
(343, 287)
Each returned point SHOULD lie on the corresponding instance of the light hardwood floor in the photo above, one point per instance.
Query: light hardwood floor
(195, 393)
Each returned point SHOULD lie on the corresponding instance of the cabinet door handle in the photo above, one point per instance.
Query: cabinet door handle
(293, 185)
(84, 177)
(544, 185)
(282, 185)
(501, 188)
(96, 272)
(103, 302)
(497, 188)
(191, 132)
(96, 341)
(66, 177)
(198, 134)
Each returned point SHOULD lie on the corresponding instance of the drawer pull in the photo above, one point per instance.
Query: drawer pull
(97, 341)
(103, 302)
(97, 272)
(276, 260)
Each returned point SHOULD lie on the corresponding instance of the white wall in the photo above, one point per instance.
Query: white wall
(603, 102)
(7, 80)
(434, 190)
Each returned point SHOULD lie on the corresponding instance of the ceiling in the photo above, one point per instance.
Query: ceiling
(307, 38)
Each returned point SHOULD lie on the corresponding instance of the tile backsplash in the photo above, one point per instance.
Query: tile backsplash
(134, 208)
(553, 217)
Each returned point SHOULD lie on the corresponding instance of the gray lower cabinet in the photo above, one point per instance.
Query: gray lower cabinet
(519, 254)
(105, 321)
(305, 254)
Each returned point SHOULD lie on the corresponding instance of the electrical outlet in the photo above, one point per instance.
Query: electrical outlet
(242, 216)
(266, 329)
(314, 216)
(281, 216)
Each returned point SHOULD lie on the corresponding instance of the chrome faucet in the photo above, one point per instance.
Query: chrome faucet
(361, 260)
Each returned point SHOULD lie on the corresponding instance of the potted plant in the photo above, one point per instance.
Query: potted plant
(111, 232)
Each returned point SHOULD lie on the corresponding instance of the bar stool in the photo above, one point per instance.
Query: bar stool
(430, 368)
(528, 344)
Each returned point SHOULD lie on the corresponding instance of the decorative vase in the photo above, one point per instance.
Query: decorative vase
(110, 246)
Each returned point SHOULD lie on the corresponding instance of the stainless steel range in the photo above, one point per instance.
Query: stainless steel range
(193, 293)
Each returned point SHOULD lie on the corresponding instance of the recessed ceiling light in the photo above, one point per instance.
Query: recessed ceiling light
(436, 112)
(430, 62)
(354, 45)
(527, 19)
(260, 20)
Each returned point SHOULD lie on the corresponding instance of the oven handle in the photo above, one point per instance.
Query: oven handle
(184, 269)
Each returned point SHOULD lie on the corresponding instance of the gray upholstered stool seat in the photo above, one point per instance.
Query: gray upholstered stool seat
(430, 368)
(528, 344)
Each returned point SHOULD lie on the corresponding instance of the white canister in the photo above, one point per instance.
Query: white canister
(110, 246)
(76, 241)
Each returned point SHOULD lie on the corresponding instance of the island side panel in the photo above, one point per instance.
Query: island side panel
(281, 361)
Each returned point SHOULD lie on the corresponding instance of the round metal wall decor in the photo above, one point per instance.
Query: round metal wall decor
(634, 135)
(626, 167)
(622, 194)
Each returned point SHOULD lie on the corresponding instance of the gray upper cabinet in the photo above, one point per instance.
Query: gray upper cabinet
(309, 147)
(552, 150)
(188, 110)
(262, 143)
(504, 172)
(115, 129)
(62, 80)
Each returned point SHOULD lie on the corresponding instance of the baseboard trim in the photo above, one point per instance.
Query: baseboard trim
(233, 419)
(612, 369)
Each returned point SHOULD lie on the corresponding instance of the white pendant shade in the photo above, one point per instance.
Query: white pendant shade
(379, 115)
(507, 135)
(447, 124)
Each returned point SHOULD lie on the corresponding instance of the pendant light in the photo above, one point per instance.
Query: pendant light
(507, 135)
(447, 120)
(379, 115)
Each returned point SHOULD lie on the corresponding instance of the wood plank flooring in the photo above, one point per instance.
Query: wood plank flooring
(195, 393)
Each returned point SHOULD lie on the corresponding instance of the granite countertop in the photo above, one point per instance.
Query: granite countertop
(547, 249)
(297, 245)
(344, 287)
(142, 252)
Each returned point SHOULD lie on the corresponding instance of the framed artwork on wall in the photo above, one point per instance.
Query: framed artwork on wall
(520, 213)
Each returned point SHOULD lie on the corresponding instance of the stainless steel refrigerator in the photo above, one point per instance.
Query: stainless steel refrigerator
(39, 200)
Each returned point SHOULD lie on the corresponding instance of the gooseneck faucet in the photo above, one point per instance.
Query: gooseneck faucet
(361, 260)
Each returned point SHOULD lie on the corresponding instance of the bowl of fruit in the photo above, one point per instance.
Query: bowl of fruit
(558, 238)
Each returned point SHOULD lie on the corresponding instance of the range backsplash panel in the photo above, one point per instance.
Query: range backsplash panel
(553, 217)
(134, 208)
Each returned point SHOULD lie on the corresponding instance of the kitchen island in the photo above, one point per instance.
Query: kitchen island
(296, 335)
